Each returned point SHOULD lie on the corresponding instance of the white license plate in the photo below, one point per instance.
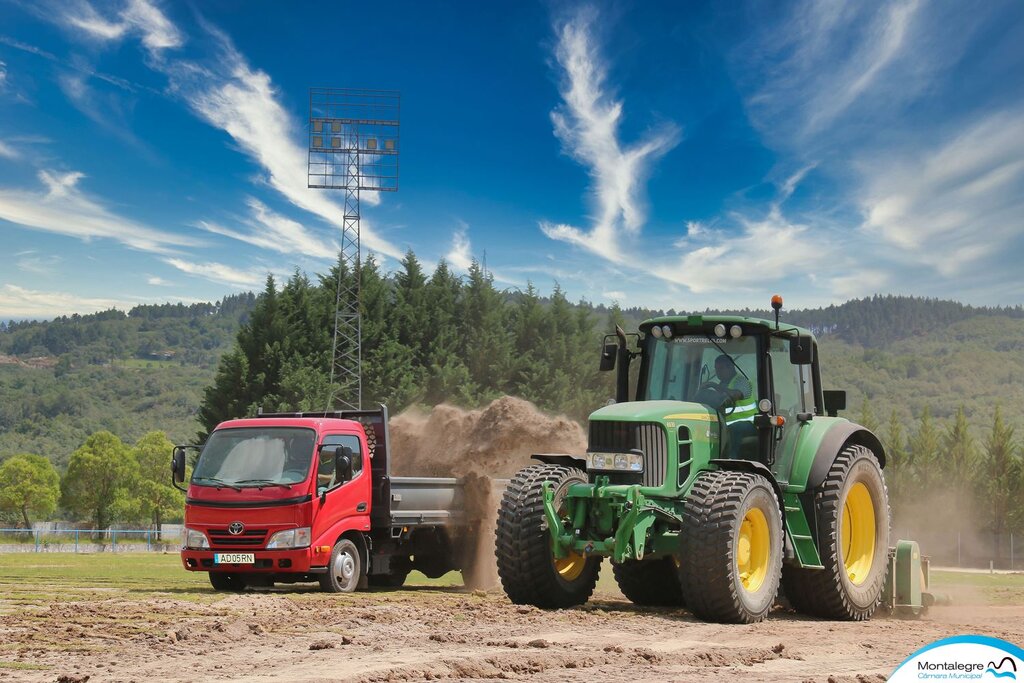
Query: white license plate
(234, 558)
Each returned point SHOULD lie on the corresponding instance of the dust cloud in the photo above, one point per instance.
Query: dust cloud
(479, 447)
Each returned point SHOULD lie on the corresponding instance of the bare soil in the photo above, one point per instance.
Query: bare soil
(430, 633)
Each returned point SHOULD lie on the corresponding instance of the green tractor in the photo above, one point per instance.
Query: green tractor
(728, 474)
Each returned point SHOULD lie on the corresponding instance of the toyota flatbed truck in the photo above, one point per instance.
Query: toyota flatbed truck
(293, 497)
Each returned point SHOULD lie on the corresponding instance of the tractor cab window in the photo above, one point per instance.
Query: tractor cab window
(721, 373)
(794, 388)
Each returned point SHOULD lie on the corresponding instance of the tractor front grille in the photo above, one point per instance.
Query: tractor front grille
(250, 538)
(620, 437)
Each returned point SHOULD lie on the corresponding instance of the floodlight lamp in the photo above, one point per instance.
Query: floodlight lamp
(318, 141)
(336, 143)
(389, 145)
(371, 143)
(336, 126)
(318, 126)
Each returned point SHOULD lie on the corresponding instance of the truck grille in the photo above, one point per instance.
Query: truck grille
(649, 437)
(250, 538)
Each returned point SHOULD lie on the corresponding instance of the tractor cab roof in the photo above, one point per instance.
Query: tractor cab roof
(705, 324)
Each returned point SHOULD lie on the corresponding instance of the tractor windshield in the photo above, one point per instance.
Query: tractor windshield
(721, 373)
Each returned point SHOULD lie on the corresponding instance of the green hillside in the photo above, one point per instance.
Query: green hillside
(132, 372)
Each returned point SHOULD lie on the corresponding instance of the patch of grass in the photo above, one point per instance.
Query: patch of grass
(1003, 589)
(23, 666)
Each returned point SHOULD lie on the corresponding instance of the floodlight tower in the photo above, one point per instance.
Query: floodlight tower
(353, 146)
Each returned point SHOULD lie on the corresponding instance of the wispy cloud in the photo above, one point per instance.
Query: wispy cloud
(461, 257)
(587, 124)
(137, 17)
(218, 272)
(25, 47)
(37, 264)
(8, 152)
(954, 202)
(64, 209)
(270, 230)
(19, 303)
(157, 281)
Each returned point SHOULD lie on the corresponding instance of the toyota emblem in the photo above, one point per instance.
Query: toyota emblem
(235, 528)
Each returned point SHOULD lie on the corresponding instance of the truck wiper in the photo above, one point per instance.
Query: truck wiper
(219, 483)
(260, 483)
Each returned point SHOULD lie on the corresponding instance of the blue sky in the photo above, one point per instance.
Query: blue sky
(658, 154)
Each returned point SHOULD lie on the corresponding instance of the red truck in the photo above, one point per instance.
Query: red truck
(291, 497)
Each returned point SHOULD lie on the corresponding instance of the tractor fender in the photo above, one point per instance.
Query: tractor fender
(834, 441)
(754, 468)
(564, 459)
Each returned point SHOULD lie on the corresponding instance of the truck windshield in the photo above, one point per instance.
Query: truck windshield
(693, 367)
(263, 456)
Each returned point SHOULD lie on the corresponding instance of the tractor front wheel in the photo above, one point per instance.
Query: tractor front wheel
(529, 571)
(853, 523)
(731, 547)
(652, 582)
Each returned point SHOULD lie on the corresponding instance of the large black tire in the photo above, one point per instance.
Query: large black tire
(831, 592)
(223, 581)
(731, 518)
(651, 583)
(400, 568)
(526, 564)
(344, 569)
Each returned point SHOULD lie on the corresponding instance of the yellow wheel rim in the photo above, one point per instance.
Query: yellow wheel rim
(858, 533)
(753, 548)
(571, 566)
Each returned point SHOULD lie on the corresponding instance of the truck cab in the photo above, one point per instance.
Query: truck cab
(309, 497)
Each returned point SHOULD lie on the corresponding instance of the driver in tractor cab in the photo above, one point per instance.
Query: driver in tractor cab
(737, 403)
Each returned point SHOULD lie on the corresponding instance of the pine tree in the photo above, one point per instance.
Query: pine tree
(923, 456)
(999, 480)
(897, 471)
(956, 462)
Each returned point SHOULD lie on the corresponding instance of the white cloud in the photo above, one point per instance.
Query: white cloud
(19, 303)
(37, 264)
(271, 230)
(953, 201)
(66, 210)
(138, 17)
(158, 281)
(218, 272)
(460, 255)
(8, 152)
(587, 124)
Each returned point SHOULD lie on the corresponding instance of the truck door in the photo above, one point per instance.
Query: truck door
(339, 501)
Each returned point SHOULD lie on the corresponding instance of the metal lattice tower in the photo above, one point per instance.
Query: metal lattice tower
(353, 146)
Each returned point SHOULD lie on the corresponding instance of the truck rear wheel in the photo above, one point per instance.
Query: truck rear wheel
(344, 569)
(529, 571)
(852, 508)
(223, 581)
(731, 547)
(652, 582)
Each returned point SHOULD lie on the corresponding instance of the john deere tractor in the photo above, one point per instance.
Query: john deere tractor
(725, 472)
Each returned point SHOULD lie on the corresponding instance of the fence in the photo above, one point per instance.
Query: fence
(968, 549)
(44, 540)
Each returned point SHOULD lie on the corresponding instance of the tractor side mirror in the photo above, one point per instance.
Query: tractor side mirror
(178, 465)
(608, 357)
(835, 400)
(801, 350)
(342, 465)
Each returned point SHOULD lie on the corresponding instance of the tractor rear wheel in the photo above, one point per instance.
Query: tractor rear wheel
(852, 508)
(652, 582)
(529, 571)
(731, 547)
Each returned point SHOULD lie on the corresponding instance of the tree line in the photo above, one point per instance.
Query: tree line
(106, 481)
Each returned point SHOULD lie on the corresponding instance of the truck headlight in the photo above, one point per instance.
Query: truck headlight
(290, 538)
(621, 462)
(195, 539)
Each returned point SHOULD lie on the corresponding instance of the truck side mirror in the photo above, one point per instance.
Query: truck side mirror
(801, 350)
(178, 465)
(342, 465)
(835, 400)
(608, 357)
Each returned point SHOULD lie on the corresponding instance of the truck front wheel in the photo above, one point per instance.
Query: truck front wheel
(343, 570)
(731, 547)
(222, 581)
(530, 573)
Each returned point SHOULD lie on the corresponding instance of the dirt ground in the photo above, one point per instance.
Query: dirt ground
(109, 633)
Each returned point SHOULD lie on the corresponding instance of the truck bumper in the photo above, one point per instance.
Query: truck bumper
(298, 561)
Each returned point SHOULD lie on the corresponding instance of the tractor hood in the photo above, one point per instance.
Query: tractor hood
(656, 411)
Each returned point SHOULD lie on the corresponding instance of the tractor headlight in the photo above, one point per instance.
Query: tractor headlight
(656, 331)
(620, 462)
(195, 539)
(290, 538)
